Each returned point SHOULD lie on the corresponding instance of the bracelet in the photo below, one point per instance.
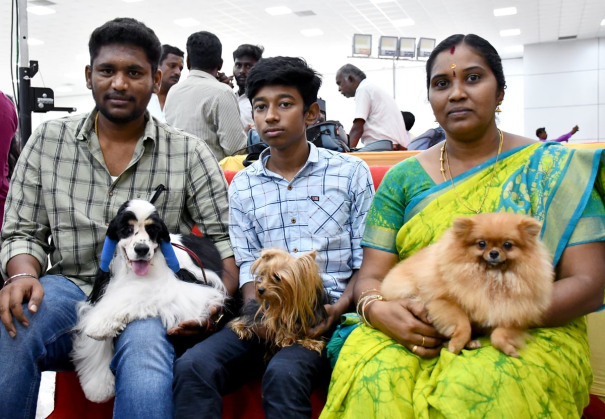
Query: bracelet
(366, 291)
(363, 298)
(10, 279)
(367, 303)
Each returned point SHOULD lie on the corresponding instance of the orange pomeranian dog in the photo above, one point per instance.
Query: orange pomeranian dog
(290, 300)
(490, 271)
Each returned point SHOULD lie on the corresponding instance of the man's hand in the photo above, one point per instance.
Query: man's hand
(193, 327)
(223, 78)
(13, 296)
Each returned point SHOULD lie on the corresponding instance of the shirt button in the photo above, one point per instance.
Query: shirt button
(295, 250)
(293, 220)
(107, 224)
(289, 187)
(110, 193)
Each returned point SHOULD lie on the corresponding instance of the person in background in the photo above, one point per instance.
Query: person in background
(8, 126)
(203, 105)
(541, 134)
(244, 57)
(171, 65)
(408, 120)
(377, 115)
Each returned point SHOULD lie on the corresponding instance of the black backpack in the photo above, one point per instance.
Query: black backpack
(330, 135)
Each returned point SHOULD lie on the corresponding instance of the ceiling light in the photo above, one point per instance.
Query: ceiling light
(41, 10)
(506, 11)
(312, 32)
(34, 41)
(63, 89)
(514, 48)
(510, 32)
(402, 22)
(279, 10)
(382, 1)
(603, 22)
(187, 22)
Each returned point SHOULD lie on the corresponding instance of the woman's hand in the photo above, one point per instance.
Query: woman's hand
(406, 321)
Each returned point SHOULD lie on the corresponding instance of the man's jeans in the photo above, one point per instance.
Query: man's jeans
(142, 363)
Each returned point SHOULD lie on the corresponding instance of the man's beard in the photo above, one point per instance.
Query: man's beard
(136, 112)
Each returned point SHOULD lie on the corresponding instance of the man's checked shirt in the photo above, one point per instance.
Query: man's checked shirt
(323, 208)
(62, 189)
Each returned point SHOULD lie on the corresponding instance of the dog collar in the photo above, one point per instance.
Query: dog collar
(170, 256)
(109, 248)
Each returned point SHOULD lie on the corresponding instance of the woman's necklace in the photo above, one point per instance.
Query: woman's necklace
(447, 160)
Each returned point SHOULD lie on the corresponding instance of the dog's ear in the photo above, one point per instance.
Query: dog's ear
(462, 226)
(308, 260)
(98, 288)
(164, 233)
(530, 226)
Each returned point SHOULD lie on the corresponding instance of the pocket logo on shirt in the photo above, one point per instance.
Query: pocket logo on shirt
(315, 198)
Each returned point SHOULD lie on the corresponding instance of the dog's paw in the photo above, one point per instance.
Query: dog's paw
(508, 341)
(241, 329)
(312, 344)
(104, 330)
(99, 389)
(473, 344)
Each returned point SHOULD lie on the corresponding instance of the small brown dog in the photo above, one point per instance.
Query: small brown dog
(290, 301)
(490, 271)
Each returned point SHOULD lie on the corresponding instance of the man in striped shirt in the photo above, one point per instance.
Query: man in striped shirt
(201, 104)
(72, 177)
(298, 198)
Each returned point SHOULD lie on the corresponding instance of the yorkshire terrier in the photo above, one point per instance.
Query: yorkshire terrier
(290, 300)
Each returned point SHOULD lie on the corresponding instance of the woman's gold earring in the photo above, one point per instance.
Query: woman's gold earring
(498, 110)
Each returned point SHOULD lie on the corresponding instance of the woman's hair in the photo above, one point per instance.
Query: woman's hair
(284, 71)
(126, 31)
(479, 45)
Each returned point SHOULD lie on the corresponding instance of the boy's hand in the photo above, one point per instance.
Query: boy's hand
(334, 313)
(193, 327)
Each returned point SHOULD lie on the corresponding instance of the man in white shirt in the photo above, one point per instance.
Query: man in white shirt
(171, 65)
(201, 104)
(245, 57)
(377, 116)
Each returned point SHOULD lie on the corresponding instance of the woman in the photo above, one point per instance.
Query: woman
(393, 366)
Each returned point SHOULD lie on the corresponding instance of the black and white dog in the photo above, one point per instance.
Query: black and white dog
(141, 284)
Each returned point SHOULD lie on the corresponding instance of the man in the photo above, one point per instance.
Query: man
(376, 114)
(245, 56)
(201, 104)
(296, 197)
(542, 135)
(74, 174)
(171, 65)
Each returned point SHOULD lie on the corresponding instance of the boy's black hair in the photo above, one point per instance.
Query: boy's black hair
(204, 50)
(481, 46)
(169, 49)
(126, 31)
(284, 71)
(247, 50)
(540, 131)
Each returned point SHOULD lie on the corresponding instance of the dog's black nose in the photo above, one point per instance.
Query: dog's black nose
(494, 254)
(261, 291)
(141, 249)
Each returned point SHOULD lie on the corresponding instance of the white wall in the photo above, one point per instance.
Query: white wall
(565, 86)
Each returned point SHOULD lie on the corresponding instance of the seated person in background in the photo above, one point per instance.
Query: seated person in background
(203, 105)
(377, 115)
(427, 139)
(298, 198)
(408, 120)
(74, 175)
(8, 126)
(541, 134)
(395, 365)
(171, 65)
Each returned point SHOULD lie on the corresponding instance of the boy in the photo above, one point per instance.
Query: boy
(298, 198)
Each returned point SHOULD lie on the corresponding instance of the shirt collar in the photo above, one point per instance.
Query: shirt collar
(262, 159)
(151, 128)
(202, 74)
